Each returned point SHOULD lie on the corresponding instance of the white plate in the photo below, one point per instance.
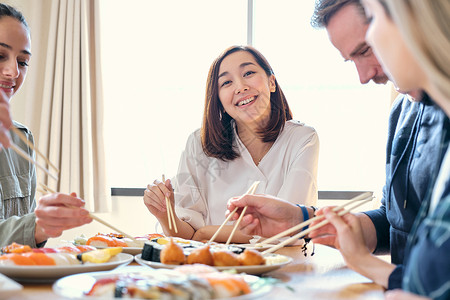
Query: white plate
(8, 287)
(46, 273)
(254, 270)
(253, 246)
(75, 286)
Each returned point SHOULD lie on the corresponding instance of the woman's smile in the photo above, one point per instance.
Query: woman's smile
(246, 101)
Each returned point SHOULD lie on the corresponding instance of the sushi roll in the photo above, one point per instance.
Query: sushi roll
(80, 240)
(152, 251)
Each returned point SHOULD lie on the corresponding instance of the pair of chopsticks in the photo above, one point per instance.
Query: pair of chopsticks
(28, 157)
(361, 199)
(45, 189)
(170, 215)
(250, 191)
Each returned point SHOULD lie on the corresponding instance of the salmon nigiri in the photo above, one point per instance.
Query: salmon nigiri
(105, 241)
(227, 285)
(40, 259)
(16, 259)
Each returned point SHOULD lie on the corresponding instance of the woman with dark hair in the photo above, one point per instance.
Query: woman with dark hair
(21, 221)
(247, 135)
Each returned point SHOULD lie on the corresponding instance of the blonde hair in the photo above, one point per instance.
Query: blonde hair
(425, 27)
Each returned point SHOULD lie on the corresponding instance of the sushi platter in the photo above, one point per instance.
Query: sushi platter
(169, 253)
(103, 241)
(203, 283)
(46, 273)
(24, 263)
(252, 270)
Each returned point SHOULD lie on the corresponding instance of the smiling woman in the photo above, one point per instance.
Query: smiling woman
(247, 135)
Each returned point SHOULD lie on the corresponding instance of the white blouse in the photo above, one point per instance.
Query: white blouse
(204, 184)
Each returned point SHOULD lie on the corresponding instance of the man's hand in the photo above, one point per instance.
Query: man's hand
(58, 212)
(265, 215)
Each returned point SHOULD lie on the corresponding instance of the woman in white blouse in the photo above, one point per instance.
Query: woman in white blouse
(247, 135)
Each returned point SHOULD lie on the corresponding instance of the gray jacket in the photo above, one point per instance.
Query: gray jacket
(17, 193)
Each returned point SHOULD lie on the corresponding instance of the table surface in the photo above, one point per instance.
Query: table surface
(321, 276)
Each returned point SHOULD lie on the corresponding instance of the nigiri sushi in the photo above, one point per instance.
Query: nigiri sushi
(105, 241)
(39, 259)
(226, 285)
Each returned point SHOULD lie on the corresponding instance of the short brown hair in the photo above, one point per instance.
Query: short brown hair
(325, 9)
(217, 132)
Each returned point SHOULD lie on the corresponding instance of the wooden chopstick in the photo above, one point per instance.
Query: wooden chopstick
(41, 191)
(31, 160)
(111, 226)
(236, 225)
(305, 232)
(170, 215)
(252, 188)
(169, 219)
(47, 190)
(26, 141)
(251, 192)
(305, 223)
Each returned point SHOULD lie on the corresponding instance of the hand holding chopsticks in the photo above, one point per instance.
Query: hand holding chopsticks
(45, 190)
(251, 190)
(58, 212)
(295, 228)
(170, 215)
(324, 222)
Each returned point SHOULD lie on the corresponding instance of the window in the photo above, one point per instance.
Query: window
(156, 56)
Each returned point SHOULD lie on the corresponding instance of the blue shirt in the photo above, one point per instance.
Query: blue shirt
(412, 159)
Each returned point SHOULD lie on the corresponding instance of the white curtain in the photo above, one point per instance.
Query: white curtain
(67, 107)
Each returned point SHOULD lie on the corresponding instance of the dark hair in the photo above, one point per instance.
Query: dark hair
(6, 10)
(217, 130)
(325, 9)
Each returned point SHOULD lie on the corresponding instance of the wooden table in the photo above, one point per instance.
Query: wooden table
(321, 276)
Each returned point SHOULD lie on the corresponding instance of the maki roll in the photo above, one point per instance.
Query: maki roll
(152, 251)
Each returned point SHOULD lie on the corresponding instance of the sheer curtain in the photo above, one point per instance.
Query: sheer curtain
(67, 105)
